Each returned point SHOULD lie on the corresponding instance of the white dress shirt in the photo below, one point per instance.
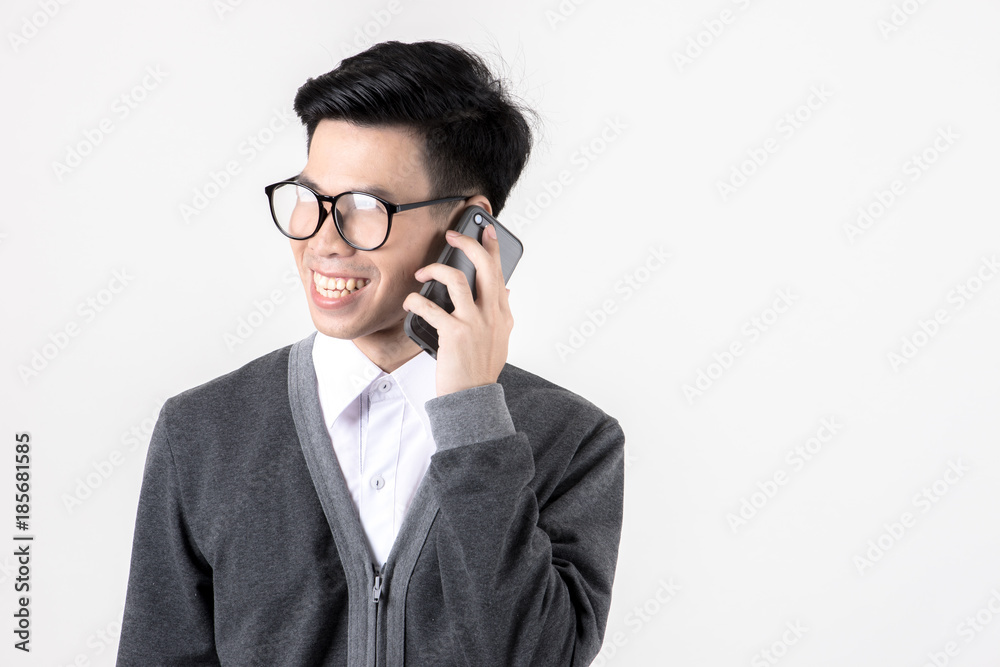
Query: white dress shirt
(379, 429)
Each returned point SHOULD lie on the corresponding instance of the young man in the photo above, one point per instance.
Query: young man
(350, 500)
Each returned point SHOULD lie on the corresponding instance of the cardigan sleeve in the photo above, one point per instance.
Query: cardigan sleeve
(168, 617)
(525, 584)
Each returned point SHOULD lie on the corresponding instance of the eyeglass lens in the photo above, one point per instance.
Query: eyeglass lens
(363, 219)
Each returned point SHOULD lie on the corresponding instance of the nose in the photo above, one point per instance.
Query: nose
(328, 241)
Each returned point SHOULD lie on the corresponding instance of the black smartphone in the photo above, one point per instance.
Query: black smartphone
(473, 222)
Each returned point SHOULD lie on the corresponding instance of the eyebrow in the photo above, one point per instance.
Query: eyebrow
(372, 189)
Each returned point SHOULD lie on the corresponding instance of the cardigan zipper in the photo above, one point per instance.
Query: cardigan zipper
(376, 596)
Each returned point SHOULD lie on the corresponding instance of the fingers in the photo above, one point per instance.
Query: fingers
(491, 304)
(485, 257)
(453, 279)
(420, 305)
(497, 284)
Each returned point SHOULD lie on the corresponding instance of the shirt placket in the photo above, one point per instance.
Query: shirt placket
(380, 427)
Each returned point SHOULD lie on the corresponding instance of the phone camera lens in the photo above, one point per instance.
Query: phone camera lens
(478, 219)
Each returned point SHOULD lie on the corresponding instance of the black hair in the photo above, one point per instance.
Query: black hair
(476, 138)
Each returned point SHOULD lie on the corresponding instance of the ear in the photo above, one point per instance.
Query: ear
(480, 201)
(475, 200)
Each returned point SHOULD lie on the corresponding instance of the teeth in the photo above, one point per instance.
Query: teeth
(335, 288)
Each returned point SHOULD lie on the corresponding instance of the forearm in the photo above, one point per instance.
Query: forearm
(524, 584)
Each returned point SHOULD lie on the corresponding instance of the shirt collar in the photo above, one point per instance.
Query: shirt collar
(343, 372)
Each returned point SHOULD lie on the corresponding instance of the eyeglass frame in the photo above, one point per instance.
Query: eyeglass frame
(390, 208)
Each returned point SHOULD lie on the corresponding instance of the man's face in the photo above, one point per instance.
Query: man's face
(388, 162)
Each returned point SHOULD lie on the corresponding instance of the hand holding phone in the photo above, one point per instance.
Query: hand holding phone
(472, 223)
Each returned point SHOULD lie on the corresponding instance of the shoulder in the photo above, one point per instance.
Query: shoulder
(257, 382)
(523, 387)
(536, 403)
(236, 422)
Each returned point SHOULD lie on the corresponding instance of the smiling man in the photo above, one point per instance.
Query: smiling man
(349, 499)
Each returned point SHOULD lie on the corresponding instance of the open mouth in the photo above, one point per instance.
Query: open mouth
(336, 287)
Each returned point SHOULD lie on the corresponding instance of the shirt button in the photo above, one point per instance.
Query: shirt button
(378, 482)
(385, 385)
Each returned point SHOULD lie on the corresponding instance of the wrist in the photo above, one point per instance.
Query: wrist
(475, 414)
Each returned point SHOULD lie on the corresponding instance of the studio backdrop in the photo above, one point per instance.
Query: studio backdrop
(762, 234)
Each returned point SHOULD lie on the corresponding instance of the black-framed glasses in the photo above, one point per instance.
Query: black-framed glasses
(362, 219)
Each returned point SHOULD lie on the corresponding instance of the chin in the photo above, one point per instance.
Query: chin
(330, 326)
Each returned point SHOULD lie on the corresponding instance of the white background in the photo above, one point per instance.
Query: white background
(662, 135)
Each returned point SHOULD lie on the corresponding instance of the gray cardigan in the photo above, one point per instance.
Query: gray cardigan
(248, 549)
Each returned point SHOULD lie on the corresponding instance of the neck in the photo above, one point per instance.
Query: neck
(388, 350)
